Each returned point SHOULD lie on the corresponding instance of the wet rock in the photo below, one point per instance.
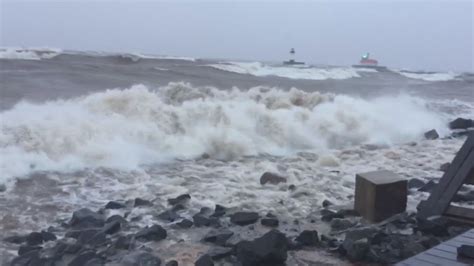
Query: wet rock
(348, 212)
(83, 258)
(140, 258)
(218, 237)
(169, 216)
(171, 263)
(25, 249)
(201, 220)
(85, 218)
(95, 262)
(117, 218)
(219, 211)
(270, 222)
(114, 205)
(327, 203)
(291, 187)
(92, 237)
(429, 242)
(3, 188)
(34, 239)
(466, 251)
(340, 224)
(415, 183)
(141, 202)
(436, 227)
(185, 223)
(26, 259)
(432, 134)
(112, 227)
(218, 253)
(328, 215)
(181, 199)
(270, 249)
(124, 242)
(428, 187)
(244, 218)
(15, 239)
(271, 178)
(444, 167)
(308, 238)
(153, 233)
(360, 233)
(204, 260)
(356, 250)
(411, 249)
(461, 123)
(457, 230)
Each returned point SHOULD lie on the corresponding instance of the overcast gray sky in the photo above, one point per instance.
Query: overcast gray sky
(434, 34)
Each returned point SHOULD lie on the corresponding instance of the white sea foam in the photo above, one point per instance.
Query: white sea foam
(314, 73)
(28, 54)
(430, 76)
(124, 129)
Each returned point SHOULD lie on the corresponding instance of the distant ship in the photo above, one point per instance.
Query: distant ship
(292, 60)
(366, 62)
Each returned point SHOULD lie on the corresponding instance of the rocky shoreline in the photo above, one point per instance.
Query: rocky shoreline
(135, 232)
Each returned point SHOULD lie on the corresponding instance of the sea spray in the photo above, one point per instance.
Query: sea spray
(124, 129)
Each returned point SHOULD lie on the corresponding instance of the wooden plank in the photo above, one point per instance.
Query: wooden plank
(462, 212)
(417, 262)
(437, 260)
(432, 206)
(465, 239)
(443, 254)
(466, 170)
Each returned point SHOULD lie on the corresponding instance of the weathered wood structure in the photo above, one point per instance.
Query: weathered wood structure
(460, 171)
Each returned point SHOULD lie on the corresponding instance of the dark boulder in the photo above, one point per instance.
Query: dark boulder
(141, 202)
(428, 187)
(124, 242)
(341, 224)
(218, 253)
(112, 227)
(140, 258)
(201, 220)
(34, 239)
(185, 223)
(85, 218)
(25, 249)
(308, 238)
(153, 233)
(270, 222)
(28, 258)
(328, 215)
(181, 199)
(461, 123)
(219, 211)
(204, 260)
(114, 205)
(466, 251)
(15, 239)
(117, 218)
(436, 226)
(411, 249)
(327, 203)
(84, 257)
(356, 250)
(218, 237)
(169, 216)
(432, 134)
(92, 237)
(171, 263)
(415, 183)
(244, 218)
(270, 249)
(271, 178)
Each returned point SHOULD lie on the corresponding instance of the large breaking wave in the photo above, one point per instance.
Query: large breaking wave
(127, 128)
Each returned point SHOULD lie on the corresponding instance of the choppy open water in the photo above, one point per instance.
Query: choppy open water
(79, 129)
